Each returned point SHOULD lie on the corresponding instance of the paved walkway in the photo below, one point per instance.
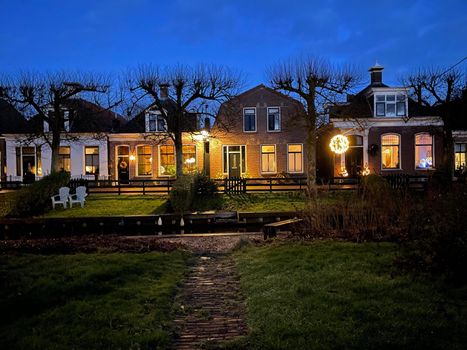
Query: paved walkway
(211, 306)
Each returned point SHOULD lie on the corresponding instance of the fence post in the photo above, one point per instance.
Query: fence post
(119, 188)
(225, 185)
(144, 190)
(168, 186)
(270, 184)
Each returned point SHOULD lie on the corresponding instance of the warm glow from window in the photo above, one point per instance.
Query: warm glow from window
(390, 157)
(268, 159)
(424, 151)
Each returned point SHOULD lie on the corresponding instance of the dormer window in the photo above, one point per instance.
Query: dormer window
(155, 122)
(390, 105)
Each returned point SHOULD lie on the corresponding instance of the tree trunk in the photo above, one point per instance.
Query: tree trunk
(55, 149)
(178, 154)
(448, 152)
(311, 149)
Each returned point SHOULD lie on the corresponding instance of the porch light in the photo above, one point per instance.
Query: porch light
(190, 160)
(339, 144)
(132, 157)
(202, 136)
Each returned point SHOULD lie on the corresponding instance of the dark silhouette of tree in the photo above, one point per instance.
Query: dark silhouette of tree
(317, 84)
(180, 91)
(46, 97)
(439, 92)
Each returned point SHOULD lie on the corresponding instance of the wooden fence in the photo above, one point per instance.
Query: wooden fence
(233, 185)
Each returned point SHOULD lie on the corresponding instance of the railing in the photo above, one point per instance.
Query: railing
(235, 185)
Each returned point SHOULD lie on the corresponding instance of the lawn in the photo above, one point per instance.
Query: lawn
(88, 301)
(345, 295)
(113, 204)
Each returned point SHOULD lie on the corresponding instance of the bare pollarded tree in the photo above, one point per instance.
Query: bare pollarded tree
(316, 83)
(440, 92)
(47, 96)
(179, 92)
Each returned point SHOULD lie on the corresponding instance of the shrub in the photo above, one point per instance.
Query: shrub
(35, 198)
(195, 192)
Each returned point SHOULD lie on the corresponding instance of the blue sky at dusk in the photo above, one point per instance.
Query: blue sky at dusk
(248, 35)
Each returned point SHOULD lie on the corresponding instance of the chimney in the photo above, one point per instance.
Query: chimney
(376, 73)
(163, 91)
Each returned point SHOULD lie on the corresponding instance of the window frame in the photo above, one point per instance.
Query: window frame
(159, 160)
(396, 101)
(158, 115)
(280, 119)
(256, 120)
(98, 158)
(117, 147)
(137, 160)
(399, 153)
(184, 160)
(261, 159)
(464, 143)
(63, 156)
(433, 162)
(302, 153)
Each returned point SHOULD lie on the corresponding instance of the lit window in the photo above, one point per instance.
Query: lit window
(424, 151)
(155, 122)
(91, 166)
(249, 119)
(390, 105)
(295, 158)
(167, 160)
(274, 119)
(26, 160)
(390, 155)
(460, 151)
(268, 159)
(64, 160)
(189, 158)
(144, 161)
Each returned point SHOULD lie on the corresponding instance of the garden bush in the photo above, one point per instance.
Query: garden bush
(194, 192)
(35, 198)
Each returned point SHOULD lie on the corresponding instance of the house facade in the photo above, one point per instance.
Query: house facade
(83, 150)
(387, 134)
(258, 134)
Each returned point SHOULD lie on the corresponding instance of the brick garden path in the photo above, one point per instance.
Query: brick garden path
(211, 306)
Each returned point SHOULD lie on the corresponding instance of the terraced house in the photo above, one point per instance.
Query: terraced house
(387, 132)
(258, 134)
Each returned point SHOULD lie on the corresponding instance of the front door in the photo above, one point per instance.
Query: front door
(354, 161)
(234, 165)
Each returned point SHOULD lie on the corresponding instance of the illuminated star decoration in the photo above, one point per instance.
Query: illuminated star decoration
(339, 144)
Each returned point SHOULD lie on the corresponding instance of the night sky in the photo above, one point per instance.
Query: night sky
(112, 35)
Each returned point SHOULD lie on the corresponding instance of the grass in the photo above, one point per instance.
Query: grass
(93, 301)
(113, 204)
(345, 295)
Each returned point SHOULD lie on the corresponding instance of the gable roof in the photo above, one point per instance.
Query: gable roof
(11, 121)
(264, 87)
(86, 117)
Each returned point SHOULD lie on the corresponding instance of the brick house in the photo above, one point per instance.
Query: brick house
(258, 134)
(143, 148)
(387, 132)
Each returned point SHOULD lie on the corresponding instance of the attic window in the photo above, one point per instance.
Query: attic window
(155, 122)
(390, 105)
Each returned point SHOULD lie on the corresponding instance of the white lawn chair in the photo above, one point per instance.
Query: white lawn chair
(79, 196)
(61, 197)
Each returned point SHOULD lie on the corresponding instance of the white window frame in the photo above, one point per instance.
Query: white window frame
(385, 94)
(147, 123)
(381, 151)
(242, 171)
(433, 167)
(303, 163)
(256, 120)
(99, 155)
(137, 160)
(159, 160)
(280, 119)
(36, 174)
(261, 158)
